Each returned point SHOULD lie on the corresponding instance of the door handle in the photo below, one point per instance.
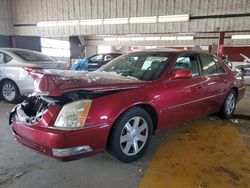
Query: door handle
(199, 86)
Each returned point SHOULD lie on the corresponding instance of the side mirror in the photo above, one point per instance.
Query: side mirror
(182, 74)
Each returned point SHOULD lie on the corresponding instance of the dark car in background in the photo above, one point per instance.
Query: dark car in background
(94, 62)
(98, 60)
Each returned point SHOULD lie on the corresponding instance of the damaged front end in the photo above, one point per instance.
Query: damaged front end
(45, 124)
(32, 109)
(35, 108)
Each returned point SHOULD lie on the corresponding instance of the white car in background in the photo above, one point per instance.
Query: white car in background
(15, 66)
(237, 64)
(246, 74)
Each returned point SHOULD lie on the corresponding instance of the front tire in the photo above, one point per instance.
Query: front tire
(131, 135)
(229, 104)
(9, 91)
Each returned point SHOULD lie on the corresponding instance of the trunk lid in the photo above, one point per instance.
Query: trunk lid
(48, 65)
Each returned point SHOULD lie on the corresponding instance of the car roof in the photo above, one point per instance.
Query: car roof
(161, 50)
(113, 53)
(177, 51)
(15, 49)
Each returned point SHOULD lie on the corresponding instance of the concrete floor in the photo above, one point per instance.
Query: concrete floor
(20, 167)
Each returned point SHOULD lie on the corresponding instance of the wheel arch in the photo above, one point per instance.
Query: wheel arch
(145, 106)
(236, 90)
(8, 79)
(152, 112)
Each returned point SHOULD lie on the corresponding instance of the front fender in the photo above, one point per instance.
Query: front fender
(108, 108)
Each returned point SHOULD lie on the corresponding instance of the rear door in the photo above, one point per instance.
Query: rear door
(185, 96)
(216, 84)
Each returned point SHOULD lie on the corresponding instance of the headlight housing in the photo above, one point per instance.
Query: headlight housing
(73, 115)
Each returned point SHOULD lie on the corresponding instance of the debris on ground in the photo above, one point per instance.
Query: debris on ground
(188, 132)
(235, 121)
(8, 175)
(18, 175)
(213, 118)
(232, 174)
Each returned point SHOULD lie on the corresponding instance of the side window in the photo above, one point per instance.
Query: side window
(4, 58)
(220, 68)
(208, 64)
(1, 58)
(247, 73)
(188, 62)
(96, 58)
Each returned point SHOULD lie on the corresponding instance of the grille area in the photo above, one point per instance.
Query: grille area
(33, 146)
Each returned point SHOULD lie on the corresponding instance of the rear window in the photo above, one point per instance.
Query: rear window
(220, 69)
(31, 56)
(211, 65)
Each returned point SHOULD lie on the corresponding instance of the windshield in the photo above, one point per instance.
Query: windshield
(31, 56)
(145, 66)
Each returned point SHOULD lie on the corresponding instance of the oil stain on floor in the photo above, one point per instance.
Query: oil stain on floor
(203, 154)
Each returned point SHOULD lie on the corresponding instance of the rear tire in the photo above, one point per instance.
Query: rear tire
(131, 135)
(9, 92)
(229, 104)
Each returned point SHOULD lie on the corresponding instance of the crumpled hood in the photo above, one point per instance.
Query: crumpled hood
(57, 82)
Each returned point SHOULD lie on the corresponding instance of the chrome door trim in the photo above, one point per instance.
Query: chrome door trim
(194, 101)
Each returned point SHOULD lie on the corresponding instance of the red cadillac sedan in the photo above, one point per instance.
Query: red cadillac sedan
(120, 106)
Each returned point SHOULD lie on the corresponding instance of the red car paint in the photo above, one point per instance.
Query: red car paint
(173, 100)
(89, 81)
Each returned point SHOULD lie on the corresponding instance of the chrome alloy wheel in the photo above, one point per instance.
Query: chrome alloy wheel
(230, 103)
(9, 92)
(134, 136)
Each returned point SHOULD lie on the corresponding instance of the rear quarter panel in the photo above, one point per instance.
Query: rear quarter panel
(235, 80)
(21, 77)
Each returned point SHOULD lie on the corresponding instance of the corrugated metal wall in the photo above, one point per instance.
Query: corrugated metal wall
(6, 24)
(32, 11)
(201, 39)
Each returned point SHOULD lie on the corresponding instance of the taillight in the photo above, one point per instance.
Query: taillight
(30, 69)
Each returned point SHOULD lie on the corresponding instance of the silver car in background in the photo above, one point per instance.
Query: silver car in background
(15, 66)
(246, 74)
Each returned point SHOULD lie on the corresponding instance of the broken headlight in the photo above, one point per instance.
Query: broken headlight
(73, 115)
